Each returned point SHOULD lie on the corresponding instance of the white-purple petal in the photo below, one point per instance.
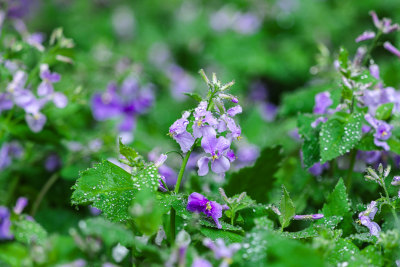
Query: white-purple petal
(35, 122)
(60, 100)
(220, 165)
(202, 163)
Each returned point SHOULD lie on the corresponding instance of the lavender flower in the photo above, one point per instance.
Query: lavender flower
(204, 120)
(48, 78)
(178, 132)
(318, 168)
(217, 148)
(5, 224)
(389, 47)
(308, 217)
(383, 131)
(8, 152)
(385, 25)
(181, 82)
(322, 102)
(396, 180)
(367, 216)
(199, 203)
(221, 251)
(168, 175)
(200, 262)
(6, 102)
(20, 205)
(367, 35)
(52, 163)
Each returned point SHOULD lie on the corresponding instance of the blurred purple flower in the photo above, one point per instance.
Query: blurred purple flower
(383, 131)
(367, 35)
(22, 202)
(200, 262)
(318, 168)
(167, 173)
(389, 47)
(94, 211)
(181, 82)
(269, 111)
(52, 163)
(246, 155)
(6, 102)
(199, 203)
(246, 23)
(309, 217)
(8, 151)
(367, 216)
(322, 102)
(385, 25)
(5, 224)
(221, 251)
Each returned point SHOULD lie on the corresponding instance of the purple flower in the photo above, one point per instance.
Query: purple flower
(217, 148)
(367, 216)
(35, 121)
(396, 180)
(5, 224)
(309, 217)
(246, 23)
(48, 78)
(385, 25)
(269, 111)
(229, 123)
(20, 205)
(94, 211)
(318, 168)
(181, 82)
(246, 155)
(204, 120)
(52, 163)
(367, 35)
(221, 251)
(178, 132)
(389, 47)
(199, 203)
(8, 151)
(106, 105)
(322, 102)
(383, 131)
(6, 102)
(200, 262)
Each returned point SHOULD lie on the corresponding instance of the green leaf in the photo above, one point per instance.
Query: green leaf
(367, 143)
(339, 135)
(225, 235)
(343, 58)
(346, 251)
(109, 232)
(29, 232)
(112, 189)
(310, 135)
(384, 111)
(394, 145)
(337, 203)
(133, 158)
(14, 254)
(256, 181)
(194, 96)
(286, 208)
(347, 93)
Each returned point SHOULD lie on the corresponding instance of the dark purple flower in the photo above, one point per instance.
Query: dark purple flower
(52, 163)
(367, 35)
(178, 132)
(383, 131)
(199, 203)
(5, 224)
(22, 202)
(318, 168)
(309, 217)
(389, 47)
(217, 148)
(200, 262)
(322, 102)
(221, 251)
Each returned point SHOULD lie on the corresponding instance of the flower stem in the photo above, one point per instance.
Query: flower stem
(353, 155)
(390, 203)
(43, 192)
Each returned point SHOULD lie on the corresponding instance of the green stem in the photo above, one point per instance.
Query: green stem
(181, 171)
(371, 47)
(43, 192)
(390, 203)
(353, 155)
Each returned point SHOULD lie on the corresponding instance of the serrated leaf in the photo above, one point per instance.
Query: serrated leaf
(194, 96)
(339, 135)
(111, 233)
(367, 143)
(346, 251)
(384, 111)
(133, 158)
(256, 181)
(29, 232)
(310, 136)
(287, 209)
(337, 203)
(112, 189)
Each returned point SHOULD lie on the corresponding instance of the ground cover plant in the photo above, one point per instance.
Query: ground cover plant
(189, 133)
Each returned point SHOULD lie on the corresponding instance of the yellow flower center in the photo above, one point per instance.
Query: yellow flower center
(229, 261)
(214, 157)
(199, 123)
(239, 137)
(384, 133)
(208, 206)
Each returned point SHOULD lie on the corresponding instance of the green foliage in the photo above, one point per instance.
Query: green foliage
(109, 232)
(194, 96)
(256, 180)
(337, 203)
(346, 251)
(29, 232)
(310, 136)
(14, 254)
(287, 209)
(339, 135)
(111, 189)
(133, 158)
(384, 111)
(214, 234)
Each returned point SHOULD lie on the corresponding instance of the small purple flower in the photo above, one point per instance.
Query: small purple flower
(269, 111)
(322, 102)
(6, 102)
(204, 120)
(317, 121)
(389, 47)
(221, 251)
(178, 132)
(199, 203)
(383, 131)
(9, 151)
(309, 217)
(246, 155)
(52, 163)
(5, 224)
(94, 211)
(35, 121)
(200, 262)
(22, 202)
(396, 180)
(318, 168)
(229, 123)
(367, 35)
(106, 105)
(246, 23)
(217, 148)
(48, 78)
(181, 82)
(367, 216)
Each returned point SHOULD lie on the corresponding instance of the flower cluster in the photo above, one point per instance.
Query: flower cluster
(19, 93)
(125, 102)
